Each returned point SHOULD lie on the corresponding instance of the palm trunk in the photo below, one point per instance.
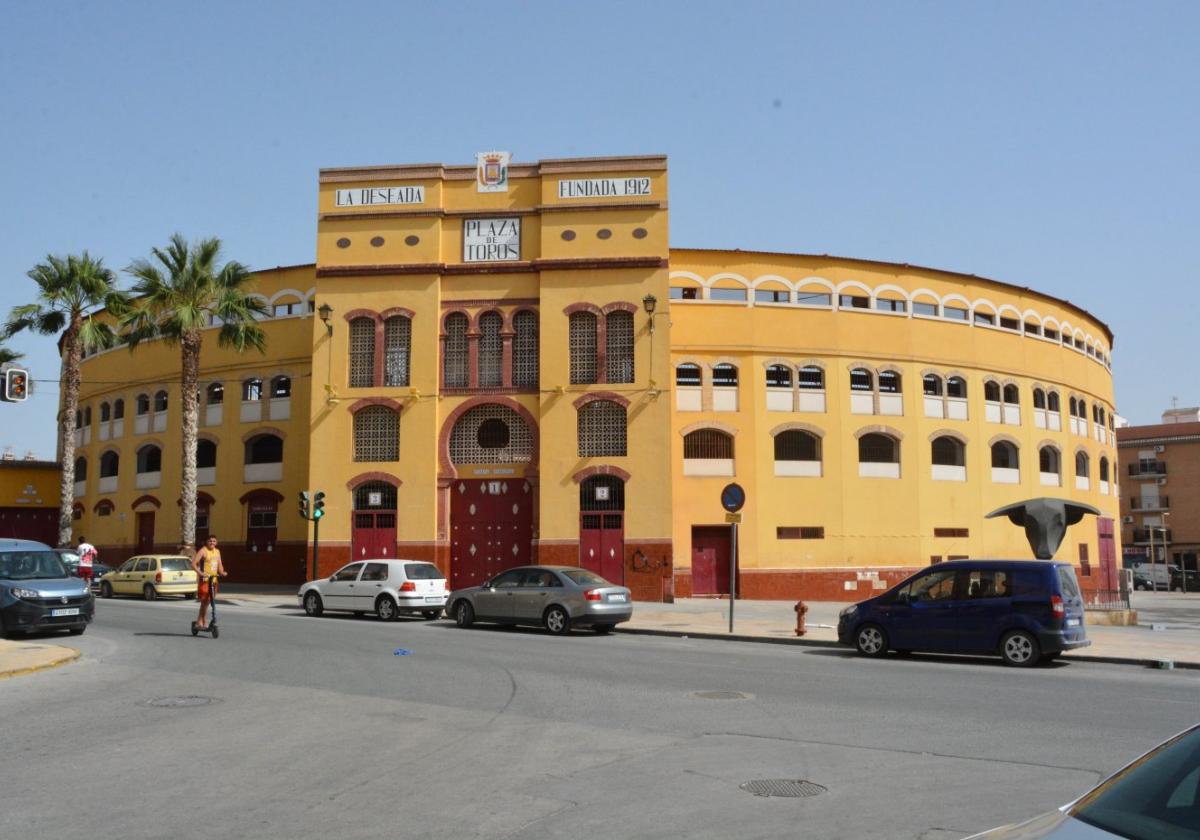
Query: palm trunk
(190, 381)
(66, 441)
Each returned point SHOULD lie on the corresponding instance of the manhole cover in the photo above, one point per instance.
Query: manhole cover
(782, 787)
(720, 695)
(184, 702)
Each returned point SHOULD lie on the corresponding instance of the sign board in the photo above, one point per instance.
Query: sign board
(603, 187)
(733, 518)
(602, 494)
(733, 497)
(492, 240)
(374, 498)
(374, 196)
(491, 171)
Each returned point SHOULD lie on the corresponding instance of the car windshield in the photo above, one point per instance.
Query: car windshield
(585, 578)
(1155, 798)
(31, 565)
(175, 564)
(423, 571)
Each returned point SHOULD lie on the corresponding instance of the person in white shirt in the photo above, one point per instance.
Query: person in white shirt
(87, 556)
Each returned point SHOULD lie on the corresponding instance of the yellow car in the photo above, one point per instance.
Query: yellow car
(151, 575)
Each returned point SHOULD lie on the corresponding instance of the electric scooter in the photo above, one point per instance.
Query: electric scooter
(212, 616)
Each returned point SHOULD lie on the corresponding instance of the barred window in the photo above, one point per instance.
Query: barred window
(619, 347)
(362, 353)
(811, 377)
(149, 459)
(375, 495)
(889, 382)
(1005, 456)
(1048, 460)
(861, 380)
(1012, 394)
(216, 393)
(206, 454)
(991, 391)
(878, 449)
(582, 345)
(81, 469)
(456, 355)
(1039, 398)
(687, 376)
(707, 443)
(602, 430)
(105, 412)
(932, 385)
(956, 387)
(525, 350)
(160, 401)
(948, 452)
(1052, 402)
(252, 390)
(472, 443)
(1103, 469)
(110, 464)
(119, 409)
(795, 445)
(376, 434)
(1082, 465)
(779, 376)
(491, 350)
(725, 376)
(602, 492)
(264, 449)
(397, 339)
(281, 386)
(142, 404)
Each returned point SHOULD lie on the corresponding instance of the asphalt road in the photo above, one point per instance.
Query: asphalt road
(316, 728)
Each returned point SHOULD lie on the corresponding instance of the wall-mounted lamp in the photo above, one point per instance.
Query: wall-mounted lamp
(649, 302)
(326, 313)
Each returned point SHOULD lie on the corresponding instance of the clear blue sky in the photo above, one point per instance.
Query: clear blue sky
(1053, 145)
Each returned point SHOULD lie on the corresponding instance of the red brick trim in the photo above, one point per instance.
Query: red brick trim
(446, 304)
(516, 267)
(363, 478)
(447, 468)
(149, 499)
(584, 307)
(397, 310)
(523, 267)
(359, 405)
(274, 495)
(603, 469)
(599, 263)
(361, 313)
(364, 270)
(456, 310)
(96, 507)
(620, 306)
(607, 396)
(265, 430)
(201, 498)
(499, 390)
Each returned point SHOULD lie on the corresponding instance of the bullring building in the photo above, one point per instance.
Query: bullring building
(506, 363)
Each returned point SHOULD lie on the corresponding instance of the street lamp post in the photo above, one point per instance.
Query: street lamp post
(1154, 558)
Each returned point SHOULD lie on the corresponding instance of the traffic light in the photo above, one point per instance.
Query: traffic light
(304, 504)
(318, 505)
(16, 385)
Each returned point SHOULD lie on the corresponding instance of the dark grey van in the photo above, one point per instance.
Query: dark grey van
(38, 593)
(1025, 611)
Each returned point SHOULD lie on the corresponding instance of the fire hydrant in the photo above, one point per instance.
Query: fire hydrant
(801, 609)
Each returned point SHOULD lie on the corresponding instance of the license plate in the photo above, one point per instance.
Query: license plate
(620, 598)
(434, 600)
(67, 611)
(1072, 622)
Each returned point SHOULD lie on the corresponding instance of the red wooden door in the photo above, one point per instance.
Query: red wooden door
(602, 545)
(1108, 553)
(710, 561)
(591, 542)
(374, 535)
(491, 528)
(145, 532)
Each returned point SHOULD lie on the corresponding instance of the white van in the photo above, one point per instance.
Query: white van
(1151, 576)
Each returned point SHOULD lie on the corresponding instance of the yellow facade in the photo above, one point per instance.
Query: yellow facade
(413, 408)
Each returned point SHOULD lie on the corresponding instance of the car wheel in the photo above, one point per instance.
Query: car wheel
(1020, 649)
(464, 614)
(603, 629)
(76, 631)
(105, 589)
(871, 640)
(385, 608)
(556, 620)
(313, 605)
(430, 615)
(149, 592)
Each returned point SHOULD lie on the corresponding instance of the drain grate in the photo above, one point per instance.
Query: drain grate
(720, 695)
(185, 702)
(783, 787)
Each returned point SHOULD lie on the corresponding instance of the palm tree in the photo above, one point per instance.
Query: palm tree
(7, 357)
(69, 292)
(179, 293)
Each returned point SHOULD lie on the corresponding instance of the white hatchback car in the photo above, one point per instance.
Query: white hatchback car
(384, 587)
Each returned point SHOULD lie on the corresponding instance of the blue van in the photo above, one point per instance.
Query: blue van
(37, 592)
(1025, 611)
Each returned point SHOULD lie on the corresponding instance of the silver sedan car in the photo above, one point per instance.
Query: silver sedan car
(555, 597)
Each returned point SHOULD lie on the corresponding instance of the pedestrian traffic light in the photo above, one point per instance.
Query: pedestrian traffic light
(318, 505)
(16, 385)
(304, 504)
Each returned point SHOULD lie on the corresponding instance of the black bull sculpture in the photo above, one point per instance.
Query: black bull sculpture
(1045, 521)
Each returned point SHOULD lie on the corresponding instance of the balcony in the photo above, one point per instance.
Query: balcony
(1161, 535)
(1148, 469)
(1161, 503)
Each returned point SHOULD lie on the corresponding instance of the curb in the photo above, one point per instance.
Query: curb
(71, 656)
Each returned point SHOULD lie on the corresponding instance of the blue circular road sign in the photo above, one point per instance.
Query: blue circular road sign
(733, 497)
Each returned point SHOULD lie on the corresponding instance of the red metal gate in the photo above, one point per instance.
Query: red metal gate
(1108, 554)
(602, 545)
(710, 560)
(145, 532)
(491, 528)
(374, 535)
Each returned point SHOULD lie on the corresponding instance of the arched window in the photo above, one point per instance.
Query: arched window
(119, 409)
(104, 508)
(862, 379)
(206, 454)
(376, 434)
(491, 434)
(1039, 398)
(78, 418)
(215, 393)
(1005, 456)
(160, 402)
(1012, 396)
(252, 390)
(456, 355)
(592, 500)
(991, 391)
(1052, 402)
(525, 349)
(149, 459)
(397, 349)
(1074, 407)
(1048, 460)
(582, 344)
(878, 449)
(811, 377)
(264, 449)
(932, 385)
(1082, 465)
(142, 404)
(87, 416)
(1082, 410)
(618, 347)
(946, 451)
(779, 376)
(375, 495)
(1103, 468)
(956, 387)
(281, 386)
(110, 464)
(105, 412)
(80, 469)
(687, 376)
(797, 445)
(725, 376)
(889, 382)
(601, 426)
(362, 353)
(707, 444)
(491, 350)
